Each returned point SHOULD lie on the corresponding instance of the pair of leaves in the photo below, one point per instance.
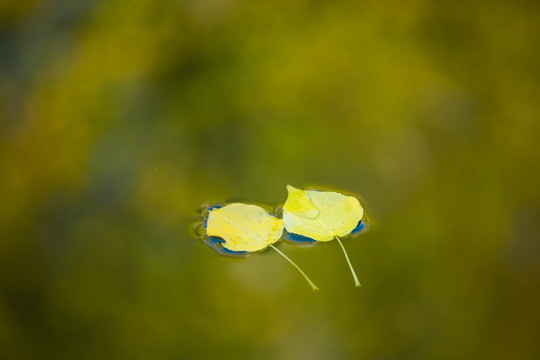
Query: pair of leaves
(314, 215)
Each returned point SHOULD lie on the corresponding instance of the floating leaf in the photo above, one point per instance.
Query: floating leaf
(322, 216)
(243, 228)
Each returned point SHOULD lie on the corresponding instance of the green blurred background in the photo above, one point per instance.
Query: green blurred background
(120, 118)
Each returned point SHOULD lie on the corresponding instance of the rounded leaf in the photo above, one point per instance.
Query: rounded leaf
(338, 214)
(244, 227)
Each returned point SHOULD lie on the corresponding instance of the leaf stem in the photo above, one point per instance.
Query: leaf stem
(313, 286)
(356, 282)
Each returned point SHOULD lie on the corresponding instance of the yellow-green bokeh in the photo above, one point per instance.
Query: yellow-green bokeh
(119, 119)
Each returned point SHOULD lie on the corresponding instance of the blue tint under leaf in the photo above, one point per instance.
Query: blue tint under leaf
(298, 239)
(359, 228)
(304, 240)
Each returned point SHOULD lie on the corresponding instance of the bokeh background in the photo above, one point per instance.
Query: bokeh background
(120, 118)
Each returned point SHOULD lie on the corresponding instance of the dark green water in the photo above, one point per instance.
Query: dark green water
(119, 119)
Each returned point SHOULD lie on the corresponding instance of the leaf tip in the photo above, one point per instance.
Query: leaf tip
(291, 188)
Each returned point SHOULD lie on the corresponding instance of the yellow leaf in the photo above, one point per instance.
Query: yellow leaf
(247, 228)
(335, 214)
(322, 216)
(244, 227)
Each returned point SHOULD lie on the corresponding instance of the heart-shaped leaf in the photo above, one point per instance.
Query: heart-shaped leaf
(322, 216)
(241, 228)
